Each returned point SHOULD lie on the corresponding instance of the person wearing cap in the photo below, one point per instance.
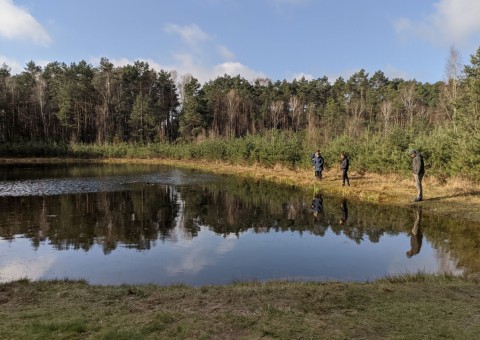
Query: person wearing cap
(317, 161)
(418, 168)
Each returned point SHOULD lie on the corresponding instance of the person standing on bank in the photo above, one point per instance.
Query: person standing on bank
(418, 168)
(344, 167)
(317, 161)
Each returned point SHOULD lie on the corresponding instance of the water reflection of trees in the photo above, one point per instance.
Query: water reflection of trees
(457, 239)
(154, 213)
(133, 218)
(230, 211)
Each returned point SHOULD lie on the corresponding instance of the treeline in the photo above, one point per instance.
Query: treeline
(134, 104)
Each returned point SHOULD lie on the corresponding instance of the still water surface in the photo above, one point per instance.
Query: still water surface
(114, 224)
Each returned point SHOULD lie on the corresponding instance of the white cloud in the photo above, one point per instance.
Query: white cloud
(392, 73)
(202, 48)
(124, 62)
(191, 34)
(236, 68)
(298, 76)
(14, 65)
(187, 64)
(17, 23)
(193, 61)
(225, 52)
(452, 22)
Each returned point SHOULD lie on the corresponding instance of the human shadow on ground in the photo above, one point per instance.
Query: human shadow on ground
(472, 193)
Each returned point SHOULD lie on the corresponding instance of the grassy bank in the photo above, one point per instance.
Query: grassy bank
(415, 306)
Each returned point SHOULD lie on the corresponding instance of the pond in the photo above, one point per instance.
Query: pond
(115, 224)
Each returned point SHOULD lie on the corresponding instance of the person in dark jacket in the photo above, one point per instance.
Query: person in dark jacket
(344, 165)
(317, 161)
(418, 168)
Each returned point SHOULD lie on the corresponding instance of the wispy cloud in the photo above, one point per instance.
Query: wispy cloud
(191, 34)
(225, 52)
(14, 65)
(298, 76)
(236, 68)
(196, 60)
(451, 22)
(393, 72)
(17, 23)
(188, 64)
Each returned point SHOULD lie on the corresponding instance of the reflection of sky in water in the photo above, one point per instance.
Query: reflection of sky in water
(30, 264)
(213, 259)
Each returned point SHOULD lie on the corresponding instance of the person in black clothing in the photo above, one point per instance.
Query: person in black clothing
(345, 164)
(317, 162)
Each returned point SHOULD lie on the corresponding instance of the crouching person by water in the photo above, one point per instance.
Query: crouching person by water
(418, 168)
(317, 161)
(344, 165)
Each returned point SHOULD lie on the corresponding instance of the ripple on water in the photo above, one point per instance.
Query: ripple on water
(61, 186)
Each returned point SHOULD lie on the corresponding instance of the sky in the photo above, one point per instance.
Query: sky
(275, 39)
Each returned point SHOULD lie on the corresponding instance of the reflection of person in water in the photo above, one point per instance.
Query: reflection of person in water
(344, 212)
(317, 204)
(292, 212)
(417, 236)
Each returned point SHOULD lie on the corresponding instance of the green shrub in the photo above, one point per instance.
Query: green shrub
(446, 153)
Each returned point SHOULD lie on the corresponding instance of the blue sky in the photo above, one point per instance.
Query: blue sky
(277, 39)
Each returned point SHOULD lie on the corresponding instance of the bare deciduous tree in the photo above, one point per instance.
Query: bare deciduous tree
(453, 72)
(386, 109)
(409, 100)
(295, 109)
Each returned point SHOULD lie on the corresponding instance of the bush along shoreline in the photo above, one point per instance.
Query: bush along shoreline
(445, 154)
